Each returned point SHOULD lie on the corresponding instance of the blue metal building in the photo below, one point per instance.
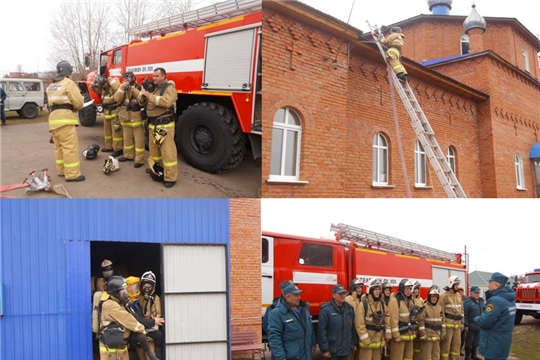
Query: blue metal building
(46, 262)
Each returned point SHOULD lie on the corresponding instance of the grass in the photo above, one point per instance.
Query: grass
(525, 344)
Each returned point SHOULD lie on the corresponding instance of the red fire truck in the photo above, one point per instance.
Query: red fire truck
(214, 57)
(316, 265)
(528, 296)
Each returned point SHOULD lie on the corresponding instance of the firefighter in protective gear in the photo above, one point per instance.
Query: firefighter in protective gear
(393, 44)
(65, 99)
(105, 272)
(151, 306)
(419, 303)
(401, 326)
(91, 152)
(130, 118)
(354, 298)
(452, 305)
(111, 164)
(113, 311)
(112, 129)
(386, 292)
(431, 326)
(160, 106)
(372, 322)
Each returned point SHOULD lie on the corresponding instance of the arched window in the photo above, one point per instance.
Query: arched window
(380, 160)
(419, 165)
(451, 158)
(520, 176)
(286, 136)
(465, 46)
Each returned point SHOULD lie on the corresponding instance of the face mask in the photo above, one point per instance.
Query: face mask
(108, 274)
(147, 290)
(133, 291)
(123, 296)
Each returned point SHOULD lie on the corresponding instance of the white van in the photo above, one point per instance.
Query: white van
(25, 96)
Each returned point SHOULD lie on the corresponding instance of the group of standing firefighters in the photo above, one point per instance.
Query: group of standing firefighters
(125, 106)
(398, 326)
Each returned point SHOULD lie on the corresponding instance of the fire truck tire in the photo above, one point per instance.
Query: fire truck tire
(209, 138)
(519, 316)
(87, 115)
(29, 111)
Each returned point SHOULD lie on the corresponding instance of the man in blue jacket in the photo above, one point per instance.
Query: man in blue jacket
(337, 333)
(473, 308)
(290, 331)
(497, 321)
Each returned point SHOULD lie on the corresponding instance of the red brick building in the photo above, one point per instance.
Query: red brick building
(329, 122)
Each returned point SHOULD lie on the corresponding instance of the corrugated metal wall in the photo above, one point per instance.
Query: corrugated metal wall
(45, 264)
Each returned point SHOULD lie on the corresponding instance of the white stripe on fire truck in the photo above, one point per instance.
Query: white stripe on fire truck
(530, 285)
(171, 67)
(300, 277)
(394, 281)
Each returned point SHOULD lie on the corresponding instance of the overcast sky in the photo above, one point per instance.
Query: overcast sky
(500, 234)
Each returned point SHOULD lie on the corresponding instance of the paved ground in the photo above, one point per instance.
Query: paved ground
(24, 146)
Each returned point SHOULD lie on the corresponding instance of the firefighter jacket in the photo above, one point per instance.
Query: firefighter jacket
(431, 326)
(97, 284)
(400, 323)
(452, 305)
(394, 40)
(353, 300)
(337, 333)
(130, 110)
(134, 308)
(473, 309)
(152, 305)
(372, 323)
(65, 100)
(107, 95)
(158, 105)
(112, 311)
(497, 323)
(290, 332)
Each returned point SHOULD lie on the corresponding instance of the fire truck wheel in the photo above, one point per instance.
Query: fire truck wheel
(519, 316)
(87, 115)
(209, 138)
(29, 111)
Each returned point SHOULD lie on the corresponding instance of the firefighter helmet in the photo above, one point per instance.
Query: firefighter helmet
(356, 283)
(64, 68)
(101, 80)
(111, 164)
(91, 151)
(115, 284)
(106, 263)
(453, 280)
(157, 173)
(133, 287)
(148, 277)
(417, 285)
(386, 285)
(372, 284)
(130, 76)
(403, 284)
(395, 29)
(434, 290)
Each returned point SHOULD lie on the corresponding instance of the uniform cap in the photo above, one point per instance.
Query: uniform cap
(338, 289)
(284, 284)
(291, 289)
(499, 278)
(475, 289)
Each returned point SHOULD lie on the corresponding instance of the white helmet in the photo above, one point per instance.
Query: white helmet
(453, 280)
(372, 284)
(434, 290)
(111, 164)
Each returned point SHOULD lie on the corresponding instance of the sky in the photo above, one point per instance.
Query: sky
(500, 234)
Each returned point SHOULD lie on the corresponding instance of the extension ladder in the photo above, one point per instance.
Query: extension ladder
(423, 129)
(376, 241)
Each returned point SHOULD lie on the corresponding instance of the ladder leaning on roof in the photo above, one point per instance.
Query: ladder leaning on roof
(423, 129)
(376, 241)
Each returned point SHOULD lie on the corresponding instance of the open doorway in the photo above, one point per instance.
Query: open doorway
(129, 259)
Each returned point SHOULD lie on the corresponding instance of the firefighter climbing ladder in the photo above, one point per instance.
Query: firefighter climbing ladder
(376, 241)
(423, 129)
(207, 15)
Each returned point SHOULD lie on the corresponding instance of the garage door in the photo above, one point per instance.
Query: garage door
(441, 275)
(195, 292)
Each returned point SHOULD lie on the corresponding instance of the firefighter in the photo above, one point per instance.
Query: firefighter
(473, 307)
(112, 129)
(461, 291)
(160, 106)
(112, 313)
(106, 271)
(151, 306)
(354, 298)
(431, 327)
(418, 303)
(65, 100)
(372, 322)
(401, 326)
(290, 331)
(452, 305)
(337, 334)
(130, 119)
(393, 45)
(386, 296)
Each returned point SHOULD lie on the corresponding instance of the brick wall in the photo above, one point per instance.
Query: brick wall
(246, 266)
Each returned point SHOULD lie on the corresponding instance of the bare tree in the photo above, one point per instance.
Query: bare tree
(174, 7)
(133, 13)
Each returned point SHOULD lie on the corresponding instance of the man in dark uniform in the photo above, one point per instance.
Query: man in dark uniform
(474, 306)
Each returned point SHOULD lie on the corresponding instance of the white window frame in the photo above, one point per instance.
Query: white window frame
(520, 174)
(451, 158)
(420, 172)
(464, 39)
(286, 129)
(526, 59)
(380, 159)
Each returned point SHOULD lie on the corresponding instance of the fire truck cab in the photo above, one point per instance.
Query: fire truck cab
(316, 265)
(528, 296)
(213, 55)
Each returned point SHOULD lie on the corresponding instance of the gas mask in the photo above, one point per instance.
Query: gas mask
(133, 291)
(108, 273)
(147, 290)
(415, 312)
(378, 318)
(123, 296)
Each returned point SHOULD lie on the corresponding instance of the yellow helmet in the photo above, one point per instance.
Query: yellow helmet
(133, 287)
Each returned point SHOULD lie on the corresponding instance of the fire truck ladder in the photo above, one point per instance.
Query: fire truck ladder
(422, 128)
(372, 240)
(192, 19)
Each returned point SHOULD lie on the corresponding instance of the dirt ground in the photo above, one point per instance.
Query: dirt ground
(24, 147)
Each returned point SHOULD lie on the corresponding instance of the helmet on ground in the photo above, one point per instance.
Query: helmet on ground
(115, 284)
(395, 29)
(403, 284)
(111, 164)
(417, 285)
(64, 68)
(453, 280)
(157, 172)
(129, 76)
(434, 290)
(91, 152)
(372, 284)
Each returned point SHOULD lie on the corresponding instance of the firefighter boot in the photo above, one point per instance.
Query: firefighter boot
(151, 355)
(473, 354)
(402, 77)
(468, 353)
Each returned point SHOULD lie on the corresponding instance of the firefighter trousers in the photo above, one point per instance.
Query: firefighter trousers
(431, 350)
(113, 354)
(451, 344)
(402, 350)
(370, 354)
(113, 137)
(355, 355)
(393, 55)
(66, 152)
(417, 349)
(166, 155)
(134, 142)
